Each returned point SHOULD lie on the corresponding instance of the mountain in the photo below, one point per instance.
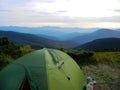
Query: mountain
(34, 41)
(48, 37)
(71, 35)
(118, 30)
(34, 30)
(65, 37)
(60, 37)
(101, 33)
(57, 33)
(102, 44)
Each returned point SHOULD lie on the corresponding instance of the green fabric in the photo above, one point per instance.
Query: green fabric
(12, 77)
(34, 68)
(57, 78)
(41, 68)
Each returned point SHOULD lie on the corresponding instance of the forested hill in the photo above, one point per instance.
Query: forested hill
(102, 44)
(33, 40)
(99, 34)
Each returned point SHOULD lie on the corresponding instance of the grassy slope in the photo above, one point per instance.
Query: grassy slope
(109, 58)
(107, 70)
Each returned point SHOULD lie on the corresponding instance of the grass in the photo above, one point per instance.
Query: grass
(106, 71)
(110, 58)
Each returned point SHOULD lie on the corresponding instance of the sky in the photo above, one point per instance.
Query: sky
(62, 13)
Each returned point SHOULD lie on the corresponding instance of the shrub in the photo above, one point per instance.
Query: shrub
(25, 50)
(81, 56)
(5, 59)
(9, 48)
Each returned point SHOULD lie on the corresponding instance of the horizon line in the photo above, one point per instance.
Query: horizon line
(58, 27)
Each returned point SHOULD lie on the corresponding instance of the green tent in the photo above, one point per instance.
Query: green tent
(45, 69)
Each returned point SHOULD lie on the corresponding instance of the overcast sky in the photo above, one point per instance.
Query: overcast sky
(63, 13)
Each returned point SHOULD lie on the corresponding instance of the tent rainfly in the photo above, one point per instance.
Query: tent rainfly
(45, 69)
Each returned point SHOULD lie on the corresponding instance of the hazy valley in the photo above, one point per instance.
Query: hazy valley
(55, 37)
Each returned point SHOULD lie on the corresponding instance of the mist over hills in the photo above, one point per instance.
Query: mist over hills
(33, 40)
(101, 33)
(55, 37)
(55, 33)
(34, 30)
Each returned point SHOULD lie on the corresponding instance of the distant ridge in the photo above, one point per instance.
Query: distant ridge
(99, 34)
(54, 38)
(101, 44)
(33, 40)
(49, 31)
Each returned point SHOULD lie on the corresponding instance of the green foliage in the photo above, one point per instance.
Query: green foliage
(61, 49)
(5, 59)
(82, 56)
(110, 58)
(8, 52)
(9, 48)
(26, 50)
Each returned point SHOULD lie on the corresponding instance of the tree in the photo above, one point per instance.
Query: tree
(9, 48)
(82, 56)
(61, 49)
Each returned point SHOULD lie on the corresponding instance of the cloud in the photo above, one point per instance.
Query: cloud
(31, 17)
(23, 4)
(61, 11)
(48, 1)
(13, 2)
(2, 11)
(56, 12)
(117, 10)
(115, 19)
